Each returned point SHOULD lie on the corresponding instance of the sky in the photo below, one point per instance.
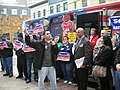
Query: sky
(7, 1)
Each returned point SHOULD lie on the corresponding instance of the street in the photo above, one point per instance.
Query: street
(19, 84)
(12, 83)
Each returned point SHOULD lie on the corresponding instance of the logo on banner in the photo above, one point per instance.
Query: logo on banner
(115, 24)
(38, 28)
(27, 48)
(17, 44)
(63, 56)
(3, 45)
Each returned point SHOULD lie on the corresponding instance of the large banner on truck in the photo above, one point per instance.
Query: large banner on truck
(115, 24)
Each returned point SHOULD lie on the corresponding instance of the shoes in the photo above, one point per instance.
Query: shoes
(19, 77)
(11, 75)
(36, 80)
(69, 83)
(28, 81)
(6, 74)
(65, 81)
(58, 79)
(25, 79)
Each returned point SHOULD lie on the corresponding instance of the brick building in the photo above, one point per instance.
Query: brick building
(11, 19)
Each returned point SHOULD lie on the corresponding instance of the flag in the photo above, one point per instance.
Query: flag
(63, 56)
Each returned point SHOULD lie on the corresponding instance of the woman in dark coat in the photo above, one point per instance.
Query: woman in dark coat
(104, 58)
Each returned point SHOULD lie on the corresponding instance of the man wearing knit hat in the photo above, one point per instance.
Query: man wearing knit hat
(21, 61)
(6, 56)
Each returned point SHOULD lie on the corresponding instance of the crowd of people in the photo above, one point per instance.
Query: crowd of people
(52, 55)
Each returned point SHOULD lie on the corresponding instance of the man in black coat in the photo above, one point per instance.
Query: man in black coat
(6, 56)
(21, 61)
(45, 58)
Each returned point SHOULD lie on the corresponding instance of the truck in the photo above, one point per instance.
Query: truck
(97, 16)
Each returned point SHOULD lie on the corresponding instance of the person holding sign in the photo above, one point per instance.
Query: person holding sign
(82, 52)
(66, 60)
(6, 51)
(29, 52)
(21, 61)
(45, 58)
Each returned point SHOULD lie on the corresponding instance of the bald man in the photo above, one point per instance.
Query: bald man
(98, 43)
(82, 49)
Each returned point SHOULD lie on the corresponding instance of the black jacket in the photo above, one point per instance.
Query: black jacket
(117, 57)
(7, 52)
(104, 58)
(39, 53)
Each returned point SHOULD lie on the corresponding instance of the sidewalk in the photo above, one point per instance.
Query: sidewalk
(12, 83)
(7, 83)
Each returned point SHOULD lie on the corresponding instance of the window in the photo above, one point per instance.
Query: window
(58, 8)
(14, 11)
(101, 1)
(65, 6)
(84, 3)
(44, 12)
(39, 13)
(33, 15)
(51, 9)
(24, 12)
(4, 11)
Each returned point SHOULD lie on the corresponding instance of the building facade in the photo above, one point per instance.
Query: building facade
(22, 2)
(41, 8)
(11, 19)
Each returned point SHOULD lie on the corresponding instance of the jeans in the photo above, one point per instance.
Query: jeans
(117, 80)
(50, 72)
(67, 69)
(8, 64)
(29, 65)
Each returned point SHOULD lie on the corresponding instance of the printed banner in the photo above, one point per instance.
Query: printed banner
(66, 26)
(17, 44)
(72, 36)
(63, 56)
(115, 24)
(3, 45)
(27, 48)
(38, 28)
